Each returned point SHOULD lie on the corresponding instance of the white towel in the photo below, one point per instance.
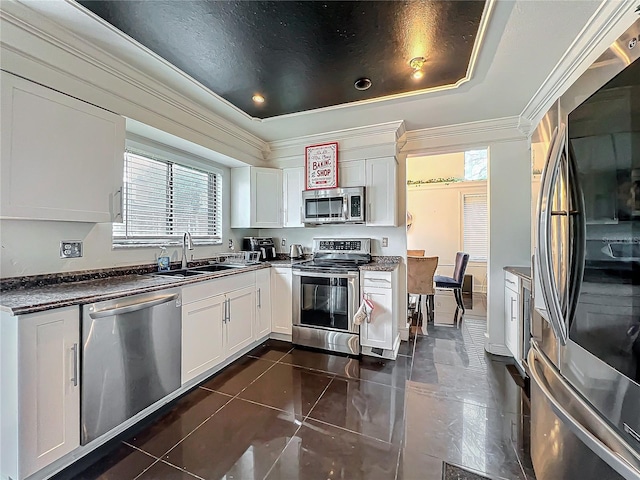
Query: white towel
(364, 312)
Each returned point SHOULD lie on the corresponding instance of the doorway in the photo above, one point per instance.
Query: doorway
(447, 212)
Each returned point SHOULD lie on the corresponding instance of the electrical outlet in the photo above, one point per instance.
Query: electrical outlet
(70, 249)
(231, 244)
(283, 242)
(385, 241)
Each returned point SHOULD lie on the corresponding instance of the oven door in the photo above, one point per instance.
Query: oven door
(325, 300)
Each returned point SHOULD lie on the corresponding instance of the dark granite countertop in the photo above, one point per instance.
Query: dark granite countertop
(21, 301)
(524, 272)
(382, 264)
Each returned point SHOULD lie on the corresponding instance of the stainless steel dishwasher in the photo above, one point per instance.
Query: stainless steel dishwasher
(131, 354)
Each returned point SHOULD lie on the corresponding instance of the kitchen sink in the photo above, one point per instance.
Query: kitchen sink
(178, 273)
(213, 268)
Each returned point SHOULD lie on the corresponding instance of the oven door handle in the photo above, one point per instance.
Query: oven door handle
(300, 273)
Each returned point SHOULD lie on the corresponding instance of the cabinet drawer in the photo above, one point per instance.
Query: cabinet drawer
(512, 281)
(377, 279)
(218, 286)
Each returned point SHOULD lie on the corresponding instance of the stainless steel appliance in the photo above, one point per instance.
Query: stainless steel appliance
(335, 205)
(326, 294)
(296, 251)
(264, 245)
(584, 360)
(131, 354)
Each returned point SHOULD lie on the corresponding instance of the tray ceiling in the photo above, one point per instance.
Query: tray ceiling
(306, 55)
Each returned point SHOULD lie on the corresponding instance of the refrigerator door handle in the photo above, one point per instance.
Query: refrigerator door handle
(624, 461)
(549, 290)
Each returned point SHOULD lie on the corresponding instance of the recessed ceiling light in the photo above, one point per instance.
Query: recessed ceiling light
(362, 84)
(257, 98)
(417, 63)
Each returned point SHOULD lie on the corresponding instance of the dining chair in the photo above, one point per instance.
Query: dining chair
(420, 271)
(455, 283)
(415, 253)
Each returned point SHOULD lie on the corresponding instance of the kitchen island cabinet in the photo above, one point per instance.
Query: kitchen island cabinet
(49, 141)
(40, 385)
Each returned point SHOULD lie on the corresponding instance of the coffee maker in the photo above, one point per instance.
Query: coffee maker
(264, 245)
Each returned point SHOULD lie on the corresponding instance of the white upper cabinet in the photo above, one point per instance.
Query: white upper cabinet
(351, 174)
(61, 158)
(381, 192)
(256, 197)
(293, 184)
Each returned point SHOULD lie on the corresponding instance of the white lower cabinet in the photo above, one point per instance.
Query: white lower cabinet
(281, 307)
(40, 385)
(218, 320)
(202, 336)
(381, 329)
(240, 319)
(263, 303)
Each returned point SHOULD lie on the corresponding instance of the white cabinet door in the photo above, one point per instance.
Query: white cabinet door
(381, 192)
(256, 197)
(49, 379)
(351, 174)
(240, 315)
(293, 185)
(62, 159)
(281, 305)
(378, 332)
(266, 185)
(202, 336)
(263, 303)
(511, 319)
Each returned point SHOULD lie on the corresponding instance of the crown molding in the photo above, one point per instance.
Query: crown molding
(352, 142)
(464, 134)
(608, 22)
(28, 34)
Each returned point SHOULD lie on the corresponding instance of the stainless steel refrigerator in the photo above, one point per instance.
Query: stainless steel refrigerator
(584, 362)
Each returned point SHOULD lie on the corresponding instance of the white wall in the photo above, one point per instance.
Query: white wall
(436, 166)
(438, 225)
(509, 197)
(32, 247)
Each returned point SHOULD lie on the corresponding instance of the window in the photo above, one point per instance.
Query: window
(475, 165)
(475, 227)
(163, 199)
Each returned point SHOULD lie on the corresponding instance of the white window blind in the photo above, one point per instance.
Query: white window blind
(163, 199)
(475, 227)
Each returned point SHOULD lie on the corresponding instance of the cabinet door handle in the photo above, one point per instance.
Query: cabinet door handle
(228, 310)
(512, 315)
(118, 214)
(74, 349)
(224, 315)
(510, 281)
(369, 212)
(259, 299)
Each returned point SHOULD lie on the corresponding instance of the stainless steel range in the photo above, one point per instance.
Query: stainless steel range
(326, 294)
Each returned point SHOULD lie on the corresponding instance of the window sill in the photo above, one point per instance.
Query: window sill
(126, 246)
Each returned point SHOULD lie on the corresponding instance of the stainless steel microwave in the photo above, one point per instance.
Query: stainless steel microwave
(335, 205)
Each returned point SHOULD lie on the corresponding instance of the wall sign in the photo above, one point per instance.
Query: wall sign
(321, 165)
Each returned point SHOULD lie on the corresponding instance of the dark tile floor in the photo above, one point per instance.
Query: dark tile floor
(288, 413)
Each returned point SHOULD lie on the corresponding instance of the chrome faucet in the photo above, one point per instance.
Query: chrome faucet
(187, 244)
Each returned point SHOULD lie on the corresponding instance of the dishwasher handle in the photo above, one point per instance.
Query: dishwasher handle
(133, 307)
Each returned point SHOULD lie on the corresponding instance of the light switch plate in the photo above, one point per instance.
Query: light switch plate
(70, 248)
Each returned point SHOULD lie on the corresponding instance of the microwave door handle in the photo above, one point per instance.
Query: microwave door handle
(345, 207)
(549, 289)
